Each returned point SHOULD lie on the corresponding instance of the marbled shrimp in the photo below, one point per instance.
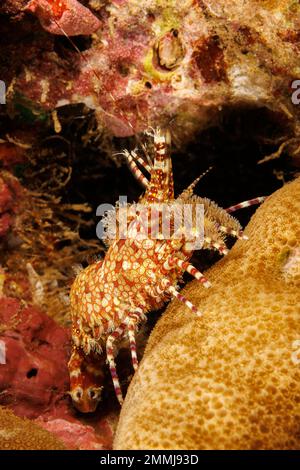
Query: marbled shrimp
(112, 297)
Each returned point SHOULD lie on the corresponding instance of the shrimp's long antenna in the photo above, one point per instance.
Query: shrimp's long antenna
(188, 192)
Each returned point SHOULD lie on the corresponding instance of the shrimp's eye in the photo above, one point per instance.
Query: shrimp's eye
(94, 393)
(77, 394)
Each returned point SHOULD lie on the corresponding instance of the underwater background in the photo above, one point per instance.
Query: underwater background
(83, 81)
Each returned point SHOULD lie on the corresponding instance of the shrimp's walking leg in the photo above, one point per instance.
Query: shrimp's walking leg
(129, 324)
(135, 169)
(111, 359)
(132, 342)
(184, 300)
(189, 268)
(166, 286)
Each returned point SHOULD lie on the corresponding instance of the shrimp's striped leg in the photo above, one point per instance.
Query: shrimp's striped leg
(210, 245)
(111, 359)
(135, 169)
(242, 205)
(189, 268)
(141, 161)
(234, 233)
(164, 287)
(132, 342)
(184, 300)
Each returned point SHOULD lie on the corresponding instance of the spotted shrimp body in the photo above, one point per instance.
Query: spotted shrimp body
(139, 273)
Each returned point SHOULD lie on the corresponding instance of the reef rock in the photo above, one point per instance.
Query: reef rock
(230, 379)
(69, 16)
(156, 62)
(10, 194)
(11, 155)
(34, 376)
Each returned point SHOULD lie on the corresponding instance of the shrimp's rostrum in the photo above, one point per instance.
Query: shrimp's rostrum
(139, 273)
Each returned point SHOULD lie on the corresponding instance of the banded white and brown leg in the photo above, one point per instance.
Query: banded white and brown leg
(115, 335)
(174, 292)
(141, 161)
(166, 286)
(132, 343)
(225, 223)
(129, 324)
(132, 158)
(209, 244)
(244, 204)
(189, 268)
(239, 234)
(134, 318)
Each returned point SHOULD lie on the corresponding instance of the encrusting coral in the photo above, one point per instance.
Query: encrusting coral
(152, 62)
(230, 379)
(21, 434)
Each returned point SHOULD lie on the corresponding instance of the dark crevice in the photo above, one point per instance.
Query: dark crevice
(32, 373)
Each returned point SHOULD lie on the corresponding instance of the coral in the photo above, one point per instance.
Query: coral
(161, 61)
(21, 434)
(184, 65)
(228, 380)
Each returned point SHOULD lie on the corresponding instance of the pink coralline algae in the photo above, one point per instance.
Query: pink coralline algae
(80, 435)
(34, 376)
(69, 16)
(170, 63)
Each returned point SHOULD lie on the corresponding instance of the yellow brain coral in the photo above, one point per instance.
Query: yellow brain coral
(22, 434)
(231, 379)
